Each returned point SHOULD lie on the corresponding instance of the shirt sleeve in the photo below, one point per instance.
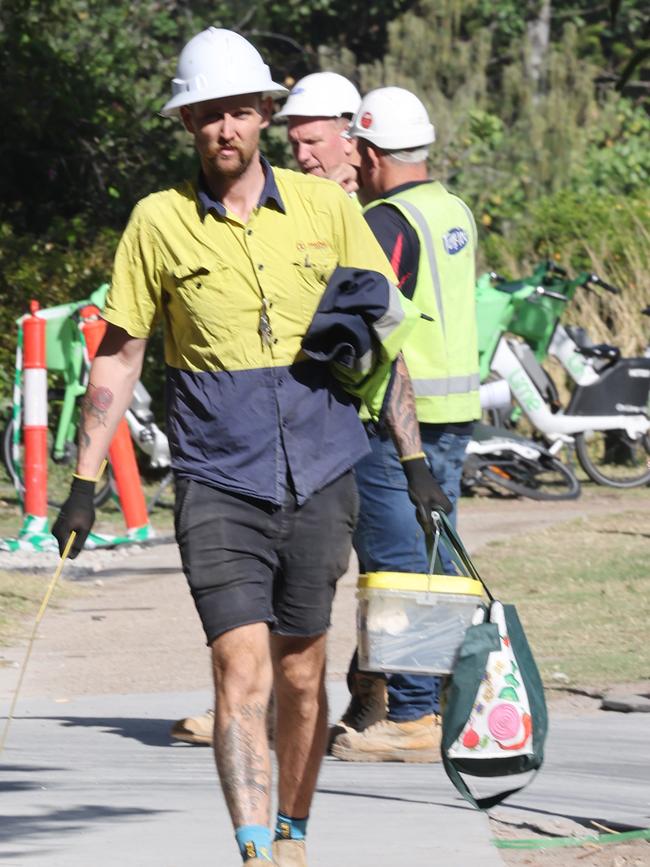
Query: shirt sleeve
(399, 242)
(358, 247)
(134, 299)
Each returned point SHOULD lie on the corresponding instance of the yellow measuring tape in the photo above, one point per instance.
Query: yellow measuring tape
(39, 617)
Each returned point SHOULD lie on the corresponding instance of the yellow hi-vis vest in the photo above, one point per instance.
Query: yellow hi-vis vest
(442, 356)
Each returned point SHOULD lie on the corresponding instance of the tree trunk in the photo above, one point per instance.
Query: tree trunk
(538, 34)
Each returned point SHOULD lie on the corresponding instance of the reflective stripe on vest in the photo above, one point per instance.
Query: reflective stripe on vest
(423, 226)
(446, 385)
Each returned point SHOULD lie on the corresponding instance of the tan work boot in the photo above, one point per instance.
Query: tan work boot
(386, 741)
(368, 705)
(289, 853)
(195, 729)
(200, 729)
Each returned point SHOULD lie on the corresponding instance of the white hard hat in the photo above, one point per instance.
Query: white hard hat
(393, 119)
(217, 63)
(321, 94)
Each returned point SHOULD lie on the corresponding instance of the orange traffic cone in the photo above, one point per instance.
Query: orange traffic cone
(35, 417)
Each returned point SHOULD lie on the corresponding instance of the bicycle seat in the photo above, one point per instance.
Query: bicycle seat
(510, 287)
(601, 350)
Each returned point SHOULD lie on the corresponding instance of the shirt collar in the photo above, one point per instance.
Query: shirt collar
(401, 188)
(270, 193)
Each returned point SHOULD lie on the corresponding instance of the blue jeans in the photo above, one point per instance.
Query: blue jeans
(388, 537)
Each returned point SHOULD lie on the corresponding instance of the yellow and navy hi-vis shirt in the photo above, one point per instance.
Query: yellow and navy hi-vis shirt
(243, 412)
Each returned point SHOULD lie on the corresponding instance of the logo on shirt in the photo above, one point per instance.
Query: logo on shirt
(455, 240)
(312, 245)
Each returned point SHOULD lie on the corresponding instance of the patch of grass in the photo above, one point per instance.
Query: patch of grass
(20, 598)
(21, 593)
(581, 589)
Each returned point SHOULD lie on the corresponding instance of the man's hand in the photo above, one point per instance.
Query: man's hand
(346, 176)
(78, 514)
(424, 492)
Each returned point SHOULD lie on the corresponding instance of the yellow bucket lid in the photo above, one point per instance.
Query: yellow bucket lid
(415, 581)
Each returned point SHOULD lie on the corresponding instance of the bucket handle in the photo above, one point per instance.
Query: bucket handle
(443, 526)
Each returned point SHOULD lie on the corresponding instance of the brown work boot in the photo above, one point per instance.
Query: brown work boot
(195, 729)
(368, 705)
(199, 729)
(289, 853)
(387, 741)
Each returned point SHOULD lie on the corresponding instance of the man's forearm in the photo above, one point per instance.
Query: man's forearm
(113, 375)
(401, 419)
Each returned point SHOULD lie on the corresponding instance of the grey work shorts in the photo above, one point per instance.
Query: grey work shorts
(248, 561)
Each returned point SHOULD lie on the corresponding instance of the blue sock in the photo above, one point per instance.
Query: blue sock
(289, 828)
(254, 841)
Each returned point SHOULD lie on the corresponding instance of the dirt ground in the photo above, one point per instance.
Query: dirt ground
(127, 624)
(633, 853)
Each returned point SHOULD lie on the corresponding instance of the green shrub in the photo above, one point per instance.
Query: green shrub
(596, 231)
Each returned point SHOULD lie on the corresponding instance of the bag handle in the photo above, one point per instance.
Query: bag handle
(444, 525)
(480, 803)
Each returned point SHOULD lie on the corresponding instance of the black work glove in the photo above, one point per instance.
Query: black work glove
(77, 513)
(425, 493)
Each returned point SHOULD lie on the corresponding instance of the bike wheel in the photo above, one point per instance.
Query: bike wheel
(58, 474)
(613, 458)
(544, 479)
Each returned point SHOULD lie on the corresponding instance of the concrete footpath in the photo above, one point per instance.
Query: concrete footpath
(97, 781)
(90, 778)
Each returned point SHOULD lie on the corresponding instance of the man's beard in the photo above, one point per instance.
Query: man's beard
(232, 168)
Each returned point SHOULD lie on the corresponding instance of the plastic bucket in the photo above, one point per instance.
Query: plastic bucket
(413, 623)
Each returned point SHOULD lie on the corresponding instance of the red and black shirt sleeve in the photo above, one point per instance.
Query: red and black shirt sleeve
(399, 242)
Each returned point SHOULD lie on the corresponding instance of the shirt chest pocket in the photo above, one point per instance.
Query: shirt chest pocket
(312, 273)
(201, 301)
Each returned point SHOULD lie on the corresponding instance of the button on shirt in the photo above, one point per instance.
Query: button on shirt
(245, 408)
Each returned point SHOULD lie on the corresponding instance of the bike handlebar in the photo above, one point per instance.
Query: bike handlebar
(541, 290)
(549, 272)
(596, 280)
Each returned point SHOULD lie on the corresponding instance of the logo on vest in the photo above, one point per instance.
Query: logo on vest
(455, 240)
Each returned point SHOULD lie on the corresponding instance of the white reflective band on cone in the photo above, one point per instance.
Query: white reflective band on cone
(35, 397)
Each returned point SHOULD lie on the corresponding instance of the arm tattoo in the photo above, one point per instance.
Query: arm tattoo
(243, 770)
(401, 420)
(94, 408)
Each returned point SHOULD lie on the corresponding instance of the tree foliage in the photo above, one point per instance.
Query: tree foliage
(83, 81)
(512, 126)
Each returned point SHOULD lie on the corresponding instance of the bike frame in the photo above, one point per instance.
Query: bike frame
(564, 348)
(520, 375)
(498, 444)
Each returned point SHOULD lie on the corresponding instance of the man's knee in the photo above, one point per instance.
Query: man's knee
(241, 660)
(299, 665)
